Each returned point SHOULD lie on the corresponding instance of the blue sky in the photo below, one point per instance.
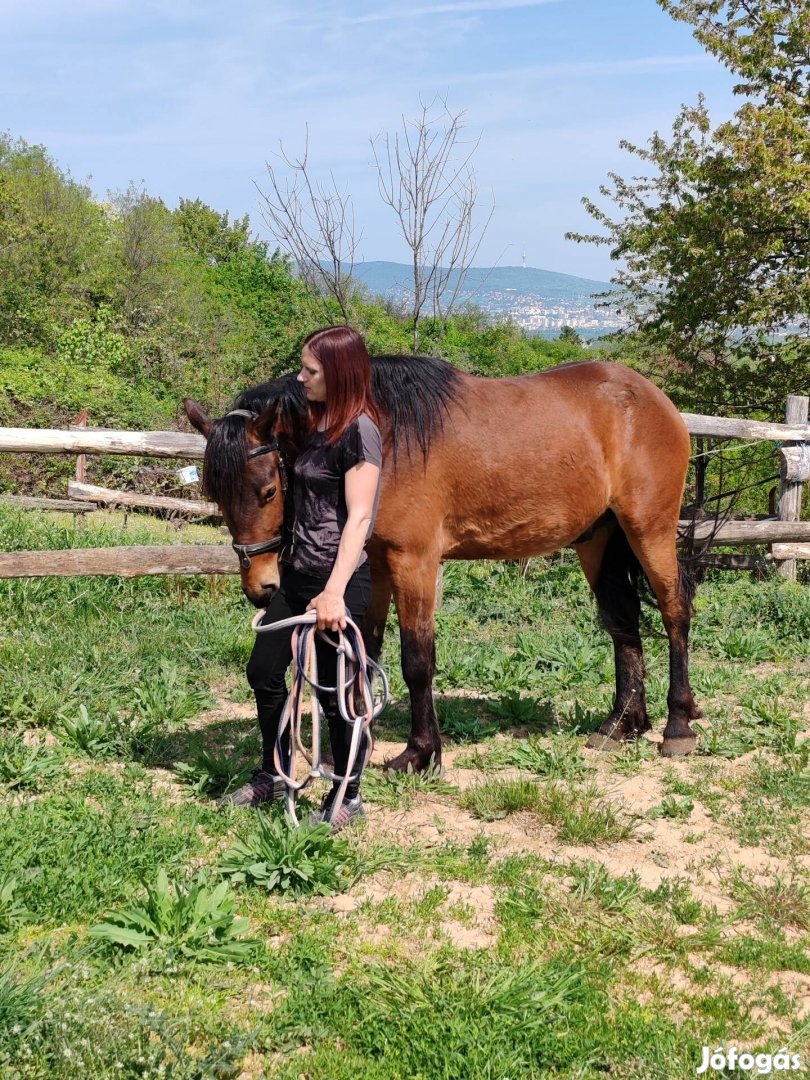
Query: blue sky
(193, 97)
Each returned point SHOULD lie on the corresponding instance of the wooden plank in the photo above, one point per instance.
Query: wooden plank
(187, 445)
(132, 498)
(790, 551)
(169, 444)
(736, 562)
(726, 427)
(126, 562)
(31, 502)
(765, 531)
(795, 463)
(81, 460)
(790, 494)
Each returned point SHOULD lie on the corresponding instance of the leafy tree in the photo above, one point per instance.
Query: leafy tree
(49, 228)
(209, 234)
(715, 238)
(569, 334)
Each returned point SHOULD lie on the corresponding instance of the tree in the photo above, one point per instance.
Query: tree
(425, 175)
(210, 234)
(569, 335)
(716, 237)
(314, 223)
(50, 229)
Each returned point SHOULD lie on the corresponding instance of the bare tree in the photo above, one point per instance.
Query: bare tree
(314, 223)
(425, 175)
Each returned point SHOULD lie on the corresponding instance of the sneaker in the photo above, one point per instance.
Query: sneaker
(350, 810)
(263, 787)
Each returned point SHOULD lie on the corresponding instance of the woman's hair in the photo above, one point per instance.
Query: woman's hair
(342, 354)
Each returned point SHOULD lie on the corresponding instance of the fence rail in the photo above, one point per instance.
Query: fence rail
(785, 533)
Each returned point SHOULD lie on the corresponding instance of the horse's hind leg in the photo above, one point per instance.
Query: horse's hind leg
(612, 572)
(655, 550)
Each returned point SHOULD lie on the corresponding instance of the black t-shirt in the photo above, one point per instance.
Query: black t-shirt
(320, 493)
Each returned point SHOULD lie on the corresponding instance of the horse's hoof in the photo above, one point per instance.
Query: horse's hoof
(417, 761)
(678, 747)
(598, 741)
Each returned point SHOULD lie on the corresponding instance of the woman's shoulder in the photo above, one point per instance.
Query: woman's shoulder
(365, 424)
(362, 441)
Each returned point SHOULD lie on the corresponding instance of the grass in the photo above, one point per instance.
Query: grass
(365, 962)
(399, 790)
(580, 815)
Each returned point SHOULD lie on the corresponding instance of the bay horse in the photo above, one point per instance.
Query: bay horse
(590, 455)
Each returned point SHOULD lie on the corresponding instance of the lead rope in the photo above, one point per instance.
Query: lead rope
(353, 680)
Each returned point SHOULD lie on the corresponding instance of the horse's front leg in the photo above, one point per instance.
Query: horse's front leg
(414, 586)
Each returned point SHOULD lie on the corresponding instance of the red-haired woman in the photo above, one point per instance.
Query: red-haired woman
(336, 493)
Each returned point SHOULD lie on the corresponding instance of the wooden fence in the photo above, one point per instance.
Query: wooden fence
(784, 533)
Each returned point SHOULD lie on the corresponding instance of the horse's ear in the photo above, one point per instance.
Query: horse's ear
(265, 422)
(197, 415)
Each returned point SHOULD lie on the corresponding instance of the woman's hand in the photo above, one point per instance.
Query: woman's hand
(330, 608)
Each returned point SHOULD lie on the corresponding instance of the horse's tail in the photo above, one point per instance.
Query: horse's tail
(619, 587)
(622, 586)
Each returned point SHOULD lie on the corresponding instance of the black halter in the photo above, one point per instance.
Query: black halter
(246, 551)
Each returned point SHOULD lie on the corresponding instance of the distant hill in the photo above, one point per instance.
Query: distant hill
(540, 301)
(385, 278)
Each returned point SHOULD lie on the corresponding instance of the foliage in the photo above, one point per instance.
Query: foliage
(398, 789)
(12, 911)
(208, 773)
(714, 237)
(195, 922)
(21, 1001)
(318, 1000)
(24, 766)
(300, 861)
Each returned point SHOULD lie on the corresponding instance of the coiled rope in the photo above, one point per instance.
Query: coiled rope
(355, 673)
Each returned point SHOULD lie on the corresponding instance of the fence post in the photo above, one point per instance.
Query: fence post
(81, 460)
(790, 495)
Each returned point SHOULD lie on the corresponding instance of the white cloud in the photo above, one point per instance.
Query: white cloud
(465, 7)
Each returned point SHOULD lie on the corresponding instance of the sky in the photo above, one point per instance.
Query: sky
(192, 97)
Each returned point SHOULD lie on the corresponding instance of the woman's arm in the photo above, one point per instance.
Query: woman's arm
(361, 487)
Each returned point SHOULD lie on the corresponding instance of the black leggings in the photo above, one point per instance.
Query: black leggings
(272, 655)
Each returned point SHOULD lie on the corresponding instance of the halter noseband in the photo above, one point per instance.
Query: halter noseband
(246, 551)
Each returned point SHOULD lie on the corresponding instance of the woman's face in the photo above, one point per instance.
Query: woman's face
(311, 375)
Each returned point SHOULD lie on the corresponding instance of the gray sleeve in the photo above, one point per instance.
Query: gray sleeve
(363, 444)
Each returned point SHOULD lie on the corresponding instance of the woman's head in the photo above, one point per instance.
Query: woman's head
(336, 375)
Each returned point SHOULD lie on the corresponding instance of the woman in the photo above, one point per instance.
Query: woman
(336, 494)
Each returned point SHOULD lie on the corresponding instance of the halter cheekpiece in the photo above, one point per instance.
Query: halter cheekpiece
(246, 551)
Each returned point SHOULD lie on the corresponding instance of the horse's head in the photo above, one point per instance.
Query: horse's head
(246, 474)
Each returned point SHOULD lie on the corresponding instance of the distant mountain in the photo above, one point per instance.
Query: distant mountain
(386, 278)
(540, 301)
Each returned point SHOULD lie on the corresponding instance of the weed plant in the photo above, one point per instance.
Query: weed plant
(209, 773)
(12, 911)
(193, 921)
(302, 861)
(25, 766)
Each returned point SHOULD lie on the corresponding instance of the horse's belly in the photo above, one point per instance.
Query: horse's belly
(543, 535)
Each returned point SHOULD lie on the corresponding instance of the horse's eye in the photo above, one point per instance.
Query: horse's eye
(267, 493)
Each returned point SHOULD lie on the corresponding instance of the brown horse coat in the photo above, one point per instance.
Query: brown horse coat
(589, 454)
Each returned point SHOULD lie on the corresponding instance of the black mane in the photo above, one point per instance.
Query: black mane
(413, 393)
